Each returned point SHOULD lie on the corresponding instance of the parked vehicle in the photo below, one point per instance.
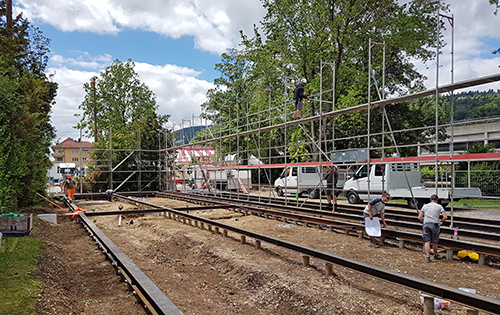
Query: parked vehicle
(222, 179)
(60, 171)
(302, 180)
(397, 181)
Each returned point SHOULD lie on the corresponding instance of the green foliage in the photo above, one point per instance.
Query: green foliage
(296, 37)
(126, 115)
(25, 103)
(18, 289)
(475, 104)
(481, 174)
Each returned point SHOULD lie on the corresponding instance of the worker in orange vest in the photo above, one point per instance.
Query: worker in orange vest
(70, 184)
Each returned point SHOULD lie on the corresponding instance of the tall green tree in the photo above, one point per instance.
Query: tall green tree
(26, 98)
(298, 35)
(126, 120)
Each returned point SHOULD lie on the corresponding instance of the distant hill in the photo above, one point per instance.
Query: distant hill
(474, 104)
(184, 136)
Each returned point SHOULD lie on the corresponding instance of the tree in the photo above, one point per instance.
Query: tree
(298, 35)
(26, 98)
(126, 116)
(497, 5)
(481, 174)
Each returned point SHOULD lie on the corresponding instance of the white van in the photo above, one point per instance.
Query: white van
(396, 179)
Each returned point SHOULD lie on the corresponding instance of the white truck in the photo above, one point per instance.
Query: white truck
(60, 171)
(396, 181)
(302, 180)
(222, 179)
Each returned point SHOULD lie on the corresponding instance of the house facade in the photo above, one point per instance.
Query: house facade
(72, 151)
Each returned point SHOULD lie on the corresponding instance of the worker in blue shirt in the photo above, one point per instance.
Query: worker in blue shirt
(376, 208)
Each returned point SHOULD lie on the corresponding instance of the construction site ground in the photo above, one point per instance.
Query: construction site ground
(206, 273)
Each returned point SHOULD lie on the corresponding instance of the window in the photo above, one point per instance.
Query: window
(379, 170)
(85, 159)
(294, 171)
(74, 151)
(460, 146)
(59, 159)
(85, 151)
(363, 172)
(495, 143)
(308, 169)
(444, 147)
(59, 151)
(74, 159)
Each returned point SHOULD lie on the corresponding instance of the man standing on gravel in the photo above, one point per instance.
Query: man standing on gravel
(331, 187)
(429, 215)
(376, 208)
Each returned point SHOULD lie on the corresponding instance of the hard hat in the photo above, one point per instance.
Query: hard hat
(69, 176)
(304, 81)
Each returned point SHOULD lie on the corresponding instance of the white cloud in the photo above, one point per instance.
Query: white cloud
(474, 23)
(179, 93)
(82, 60)
(214, 25)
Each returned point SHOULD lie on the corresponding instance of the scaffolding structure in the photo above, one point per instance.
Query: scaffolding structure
(238, 146)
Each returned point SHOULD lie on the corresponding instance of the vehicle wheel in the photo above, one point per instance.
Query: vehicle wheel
(415, 203)
(352, 197)
(313, 194)
(279, 191)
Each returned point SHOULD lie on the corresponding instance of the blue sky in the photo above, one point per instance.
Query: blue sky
(140, 46)
(176, 44)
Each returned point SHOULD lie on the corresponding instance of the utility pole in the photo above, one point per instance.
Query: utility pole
(95, 112)
(9, 17)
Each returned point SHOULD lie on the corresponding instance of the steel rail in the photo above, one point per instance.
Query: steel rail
(389, 233)
(448, 293)
(153, 298)
(357, 218)
(398, 215)
(490, 225)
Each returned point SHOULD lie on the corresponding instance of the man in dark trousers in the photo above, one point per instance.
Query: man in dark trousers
(298, 95)
(332, 179)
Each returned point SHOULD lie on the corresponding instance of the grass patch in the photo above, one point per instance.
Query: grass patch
(18, 267)
(478, 203)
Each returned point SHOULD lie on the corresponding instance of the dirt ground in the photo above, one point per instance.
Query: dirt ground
(206, 273)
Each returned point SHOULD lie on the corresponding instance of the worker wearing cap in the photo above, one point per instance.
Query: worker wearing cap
(298, 95)
(429, 216)
(70, 184)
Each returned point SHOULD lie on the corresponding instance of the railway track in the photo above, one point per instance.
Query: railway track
(401, 215)
(483, 229)
(151, 297)
(338, 221)
(181, 214)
